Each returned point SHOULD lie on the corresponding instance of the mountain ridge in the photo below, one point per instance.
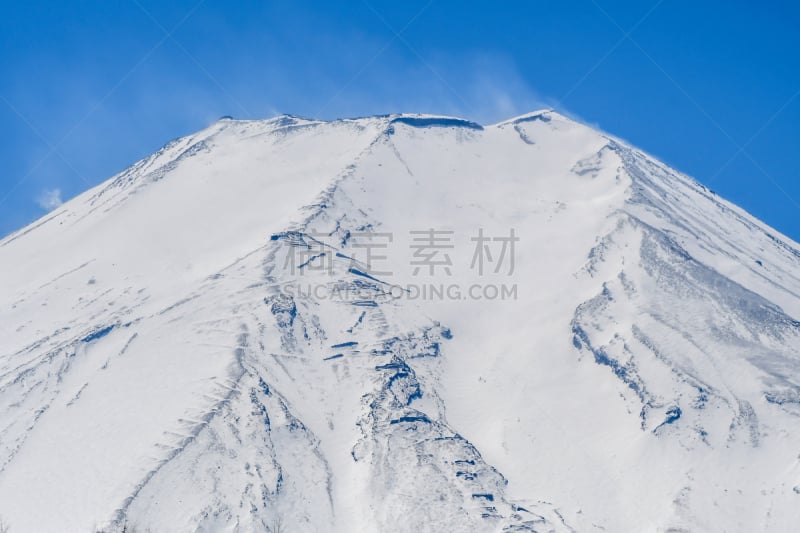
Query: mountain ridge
(647, 351)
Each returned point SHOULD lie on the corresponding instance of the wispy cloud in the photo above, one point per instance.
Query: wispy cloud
(49, 199)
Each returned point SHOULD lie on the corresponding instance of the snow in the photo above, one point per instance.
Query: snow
(160, 367)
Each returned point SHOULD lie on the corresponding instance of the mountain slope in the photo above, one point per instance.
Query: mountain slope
(242, 329)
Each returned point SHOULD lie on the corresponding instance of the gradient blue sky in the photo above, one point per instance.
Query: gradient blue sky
(712, 88)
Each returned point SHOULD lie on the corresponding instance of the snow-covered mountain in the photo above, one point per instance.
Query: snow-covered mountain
(399, 323)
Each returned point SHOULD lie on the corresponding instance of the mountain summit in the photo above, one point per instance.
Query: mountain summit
(399, 323)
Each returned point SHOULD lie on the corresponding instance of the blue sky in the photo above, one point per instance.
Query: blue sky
(712, 88)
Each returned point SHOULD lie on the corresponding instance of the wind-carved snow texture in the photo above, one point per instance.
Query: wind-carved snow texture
(750, 328)
(207, 349)
(396, 434)
(401, 441)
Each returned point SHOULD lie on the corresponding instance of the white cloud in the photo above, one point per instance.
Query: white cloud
(49, 199)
